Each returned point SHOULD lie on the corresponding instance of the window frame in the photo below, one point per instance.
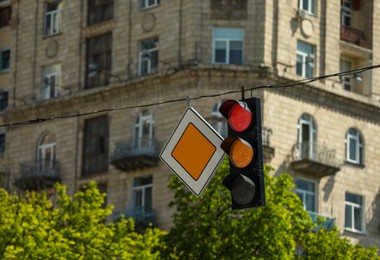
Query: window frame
(54, 18)
(101, 58)
(4, 95)
(143, 188)
(7, 67)
(2, 143)
(147, 60)
(217, 120)
(303, 60)
(359, 146)
(346, 13)
(95, 146)
(227, 41)
(310, 6)
(346, 65)
(93, 11)
(306, 119)
(5, 16)
(305, 193)
(139, 140)
(351, 226)
(144, 4)
(49, 89)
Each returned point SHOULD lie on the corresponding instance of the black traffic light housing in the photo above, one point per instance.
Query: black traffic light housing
(244, 146)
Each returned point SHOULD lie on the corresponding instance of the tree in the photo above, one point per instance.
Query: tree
(207, 228)
(32, 227)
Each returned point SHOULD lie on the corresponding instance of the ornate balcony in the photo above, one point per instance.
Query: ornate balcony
(38, 175)
(136, 154)
(353, 36)
(143, 217)
(327, 223)
(268, 150)
(314, 159)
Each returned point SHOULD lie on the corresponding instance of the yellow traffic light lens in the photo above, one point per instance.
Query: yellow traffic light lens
(241, 153)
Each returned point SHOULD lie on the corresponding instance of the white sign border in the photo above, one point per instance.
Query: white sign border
(192, 116)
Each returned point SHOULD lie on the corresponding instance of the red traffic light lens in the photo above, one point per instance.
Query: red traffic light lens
(241, 153)
(239, 118)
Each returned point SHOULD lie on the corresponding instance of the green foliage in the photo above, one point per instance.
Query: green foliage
(31, 227)
(207, 228)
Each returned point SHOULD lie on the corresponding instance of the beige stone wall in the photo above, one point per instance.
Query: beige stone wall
(185, 29)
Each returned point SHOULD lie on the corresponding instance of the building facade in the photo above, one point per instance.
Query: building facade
(91, 90)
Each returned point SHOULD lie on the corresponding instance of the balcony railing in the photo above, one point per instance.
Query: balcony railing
(353, 36)
(136, 154)
(315, 159)
(142, 216)
(38, 174)
(327, 223)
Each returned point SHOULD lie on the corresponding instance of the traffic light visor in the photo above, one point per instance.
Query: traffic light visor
(241, 153)
(237, 113)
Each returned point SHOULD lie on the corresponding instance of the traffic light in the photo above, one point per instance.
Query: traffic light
(244, 147)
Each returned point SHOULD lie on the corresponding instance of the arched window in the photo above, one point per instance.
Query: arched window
(307, 136)
(144, 130)
(354, 146)
(46, 153)
(218, 122)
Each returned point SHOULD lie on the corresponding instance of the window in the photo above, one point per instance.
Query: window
(354, 146)
(148, 57)
(50, 82)
(95, 146)
(144, 131)
(346, 65)
(3, 100)
(307, 193)
(99, 60)
(99, 11)
(307, 5)
(228, 45)
(52, 18)
(305, 59)
(142, 195)
(46, 160)
(307, 137)
(148, 3)
(346, 12)
(218, 122)
(354, 213)
(2, 143)
(5, 58)
(5, 16)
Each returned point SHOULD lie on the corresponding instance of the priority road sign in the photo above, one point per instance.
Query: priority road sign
(193, 151)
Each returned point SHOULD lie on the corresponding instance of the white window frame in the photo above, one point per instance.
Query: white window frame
(143, 189)
(5, 69)
(306, 60)
(305, 193)
(145, 4)
(50, 82)
(307, 120)
(54, 19)
(307, 5)
(346, 65)
(217, 120)
(354, 206)
(145, 58)
(359, 147)
(227, 41)
(346, 12)
(141, 140)
(46, 156)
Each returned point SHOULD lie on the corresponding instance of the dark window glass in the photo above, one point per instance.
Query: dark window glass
(99, 60)
(2, 143)
(5, 57)
(3, 100)
(5, 16)
(95, 146)
(99, 11)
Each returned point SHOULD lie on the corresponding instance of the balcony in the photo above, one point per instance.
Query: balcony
(136, 154)
(268, 150)
(353, 36)
(143, 217)
(327, 223)
(314, 159)
(38, 175)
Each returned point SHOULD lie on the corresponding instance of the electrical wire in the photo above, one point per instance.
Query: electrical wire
(274, 86)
